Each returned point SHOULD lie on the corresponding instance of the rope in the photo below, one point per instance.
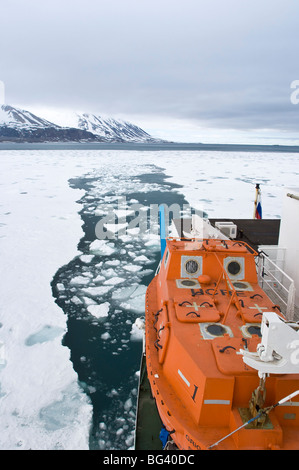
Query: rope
(238, 429)
(265, 411)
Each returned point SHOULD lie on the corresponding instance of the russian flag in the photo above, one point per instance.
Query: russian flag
(258, 203)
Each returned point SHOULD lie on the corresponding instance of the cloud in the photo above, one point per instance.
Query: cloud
(2, 92)
(221, 64)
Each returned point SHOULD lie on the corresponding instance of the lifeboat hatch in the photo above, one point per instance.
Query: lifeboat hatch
(187, 284)
(242, 286)
(214, 330)
(251, 329)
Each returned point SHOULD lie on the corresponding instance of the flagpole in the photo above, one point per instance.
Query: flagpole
(257, 187)
(257, 203)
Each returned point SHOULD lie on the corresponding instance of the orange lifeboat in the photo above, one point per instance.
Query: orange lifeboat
(204, 312)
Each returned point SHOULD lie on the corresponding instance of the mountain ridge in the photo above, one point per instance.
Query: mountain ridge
(19, 125)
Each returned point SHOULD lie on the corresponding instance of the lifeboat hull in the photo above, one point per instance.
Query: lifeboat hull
(202, 308)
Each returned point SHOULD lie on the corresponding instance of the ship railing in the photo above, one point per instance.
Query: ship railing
(277, 284)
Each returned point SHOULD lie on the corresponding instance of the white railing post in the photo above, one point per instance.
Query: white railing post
(291, 303)
(275, 279)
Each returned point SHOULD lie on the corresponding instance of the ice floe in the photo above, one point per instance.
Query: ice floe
(102, 247)
(86, 258)
(137, 331)
(97, 291)
(114, 281)
(79, 281)
(99, 310)
(46, 333)
(132, 268)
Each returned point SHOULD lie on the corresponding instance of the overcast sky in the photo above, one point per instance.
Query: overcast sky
(207, 67)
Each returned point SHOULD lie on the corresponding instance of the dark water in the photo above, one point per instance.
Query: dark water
(103, 353)
(166, 146)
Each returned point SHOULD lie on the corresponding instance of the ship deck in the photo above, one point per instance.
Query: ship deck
(255, 232)
(251, 231)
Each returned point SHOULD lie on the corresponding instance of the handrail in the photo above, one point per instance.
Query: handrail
(210, 240)
(289, 291)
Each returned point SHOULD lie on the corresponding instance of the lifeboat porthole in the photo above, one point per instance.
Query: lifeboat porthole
(234, 268)
(191, 266)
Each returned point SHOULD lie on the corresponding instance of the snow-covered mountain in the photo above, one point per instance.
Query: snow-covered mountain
(19, 125)
(21, 119)
(112, 129)
(107, 128)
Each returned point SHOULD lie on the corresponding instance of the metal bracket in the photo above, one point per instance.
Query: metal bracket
(278, 351)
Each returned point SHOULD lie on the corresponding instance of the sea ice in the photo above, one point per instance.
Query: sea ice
(124, 292)
(79, 281)
(128, 404)
(145, 272)
(75, 300)
(134, 297)
(153, 243)
(61, 413)
(102, 247)
(41, 234)
(137, 331)
(142, 259)
(113, 262)
(132, 268)
(133, 231)
(114, 281)
(99, 310)
(97, 291)
(99, 212)
(109, 273)
(86, 258)
(114, 228)
(105, 336)
(88, 301)
(120, 213)
(47, 333)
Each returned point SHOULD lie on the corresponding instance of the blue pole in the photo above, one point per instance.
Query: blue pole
(162, 229)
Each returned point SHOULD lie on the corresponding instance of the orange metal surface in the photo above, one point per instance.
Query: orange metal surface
(195, 326)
